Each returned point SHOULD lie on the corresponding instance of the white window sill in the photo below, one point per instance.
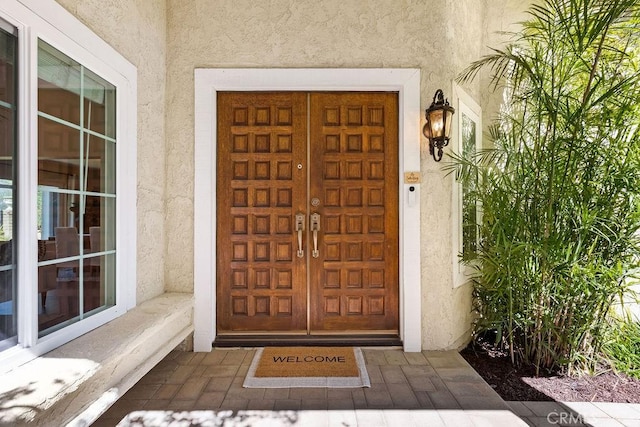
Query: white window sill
(81, 379)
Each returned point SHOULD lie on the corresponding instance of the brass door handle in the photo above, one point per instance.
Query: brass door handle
(299, 228)
(315, 227)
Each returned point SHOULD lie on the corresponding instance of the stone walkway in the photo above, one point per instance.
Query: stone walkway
(407, 389)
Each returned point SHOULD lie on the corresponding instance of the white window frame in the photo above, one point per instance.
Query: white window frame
(208, 82)
(47, 20)
(466, 105)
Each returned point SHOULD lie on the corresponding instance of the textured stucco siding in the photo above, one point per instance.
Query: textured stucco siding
(438, 37)
(168, 40)
(138, 31)
(502, 19)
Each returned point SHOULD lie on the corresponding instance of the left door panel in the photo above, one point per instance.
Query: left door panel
(261, 185)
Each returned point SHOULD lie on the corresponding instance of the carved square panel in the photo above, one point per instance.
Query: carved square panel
(284, 251)
(240, 144)
(240, 224)
(354, 306)
(354, 224)
(376, 197)
(262, 170)
(285, 279)
(331, 170)
(354, 116)
(354, 143)
(283, 197)
(375, 224)
(332, 278)
(283, 224)
(332, 306)
(261, 224)
(239, 306)
(261, 251)
(241, 170)
(376, 144)
(239, 251)
(376, 305)
(332, 143)
(284, 144)
(263, 116)
(332, 251)
(262, 279)
(376, 278)
(331, 116)
(354, 170)
(376, 251)
(263, 143)
(240, 116)
(284, 116)
(331, 224)
(284, 170)
(354, 278)
(376, 170)
(285, 306)
(354, 197)
(239, 279)
(354, 251)
(262, 305)
(262, 197)
(376, 116)
(240, 198)
(332, 197)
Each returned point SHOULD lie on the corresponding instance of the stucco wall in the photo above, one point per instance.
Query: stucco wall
(502, 18)
(429, 35)
(137, 30)
(440, 38)
(446, 311)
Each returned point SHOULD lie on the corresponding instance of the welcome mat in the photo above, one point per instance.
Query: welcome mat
(284, 367)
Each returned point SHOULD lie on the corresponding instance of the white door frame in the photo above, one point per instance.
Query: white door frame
(207, 84)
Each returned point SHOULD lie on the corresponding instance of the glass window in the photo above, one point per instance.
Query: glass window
(468, 211)
(8, 90)
(60, 159)
(469, 206)
(76, 191)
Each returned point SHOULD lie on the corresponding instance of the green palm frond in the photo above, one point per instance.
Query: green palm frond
(559, 188)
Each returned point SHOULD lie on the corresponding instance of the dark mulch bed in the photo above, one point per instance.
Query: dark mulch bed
(521, 383)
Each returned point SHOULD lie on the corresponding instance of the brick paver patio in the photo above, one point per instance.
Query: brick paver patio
(407, 389)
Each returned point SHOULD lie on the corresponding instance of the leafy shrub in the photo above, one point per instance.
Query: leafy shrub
(622, 348)
(558, 191)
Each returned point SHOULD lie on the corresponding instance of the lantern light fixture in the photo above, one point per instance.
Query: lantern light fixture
(438, 127)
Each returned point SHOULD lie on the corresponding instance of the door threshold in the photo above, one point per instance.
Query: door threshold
(307, 340)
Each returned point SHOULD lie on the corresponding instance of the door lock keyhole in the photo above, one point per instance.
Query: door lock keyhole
(315, 202)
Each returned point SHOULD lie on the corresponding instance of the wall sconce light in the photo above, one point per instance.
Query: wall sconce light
(438, 127)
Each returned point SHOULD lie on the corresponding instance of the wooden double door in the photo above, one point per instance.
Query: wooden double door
(307, 213)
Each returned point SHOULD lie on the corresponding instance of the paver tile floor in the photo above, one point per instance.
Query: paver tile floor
(407, 389)
(436, 388)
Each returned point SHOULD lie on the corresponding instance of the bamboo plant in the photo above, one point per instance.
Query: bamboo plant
(559, 190)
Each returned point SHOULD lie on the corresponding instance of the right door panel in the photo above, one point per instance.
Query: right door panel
(354, 187)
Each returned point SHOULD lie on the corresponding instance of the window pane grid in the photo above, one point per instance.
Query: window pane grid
(87, 256)
(76, 192)
(74, 126)
(79, 193)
